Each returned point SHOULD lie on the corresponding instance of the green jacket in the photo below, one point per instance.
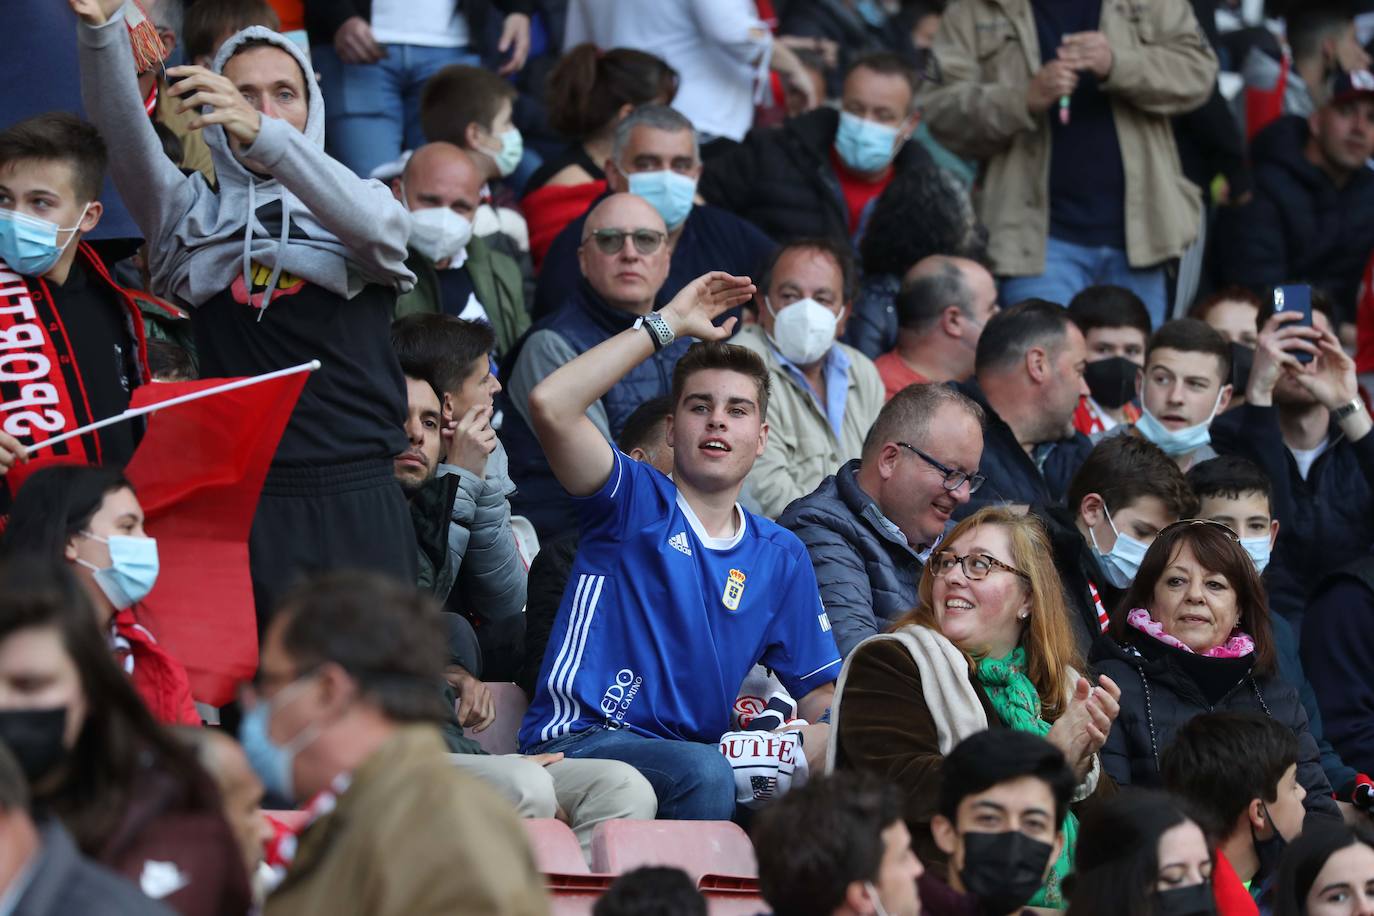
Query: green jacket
(496, 279)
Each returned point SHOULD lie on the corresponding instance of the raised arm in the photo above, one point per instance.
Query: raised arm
(578, 454)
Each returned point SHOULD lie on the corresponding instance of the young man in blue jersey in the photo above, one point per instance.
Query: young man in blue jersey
(676, 591)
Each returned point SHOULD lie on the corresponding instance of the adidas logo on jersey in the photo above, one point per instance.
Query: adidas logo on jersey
(679, 543)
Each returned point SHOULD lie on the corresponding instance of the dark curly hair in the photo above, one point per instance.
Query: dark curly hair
(922, 212)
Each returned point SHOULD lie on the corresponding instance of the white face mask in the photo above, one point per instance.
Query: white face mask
(803, 331)
(438, 233)
(1258, 548)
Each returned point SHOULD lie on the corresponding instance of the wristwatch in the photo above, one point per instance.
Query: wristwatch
(1354, 406)
(658, 329)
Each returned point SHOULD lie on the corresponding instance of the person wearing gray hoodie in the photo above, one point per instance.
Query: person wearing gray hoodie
(291, 258)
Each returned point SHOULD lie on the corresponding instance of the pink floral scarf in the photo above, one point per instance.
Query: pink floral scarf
(1239, 644)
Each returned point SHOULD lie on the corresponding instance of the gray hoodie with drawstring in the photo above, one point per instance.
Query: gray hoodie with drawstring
(338, 231)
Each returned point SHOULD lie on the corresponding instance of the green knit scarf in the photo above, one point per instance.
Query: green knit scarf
(1017, 704)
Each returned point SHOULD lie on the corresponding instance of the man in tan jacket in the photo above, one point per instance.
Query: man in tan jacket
(1067, 103)
(341, 720)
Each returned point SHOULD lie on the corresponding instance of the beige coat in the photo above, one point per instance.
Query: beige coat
(1162, 66)
(802, 448)
(413, 836)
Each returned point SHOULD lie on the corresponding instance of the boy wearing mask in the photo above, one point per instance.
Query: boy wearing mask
(1116, 327)
(1186, 385)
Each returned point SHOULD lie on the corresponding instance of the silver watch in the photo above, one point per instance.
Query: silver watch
(658, 329)
(1348, 409)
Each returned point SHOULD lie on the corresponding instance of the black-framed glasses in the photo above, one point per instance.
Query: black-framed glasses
(976, 565)
(611, 241)
(954, 478)
(1187, 522)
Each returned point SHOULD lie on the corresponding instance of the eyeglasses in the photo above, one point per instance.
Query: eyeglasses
(976, 565)
(1187, 522)
(954, 478)
(611, 241)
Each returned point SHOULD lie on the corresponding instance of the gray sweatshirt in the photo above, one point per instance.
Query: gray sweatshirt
(339, 231)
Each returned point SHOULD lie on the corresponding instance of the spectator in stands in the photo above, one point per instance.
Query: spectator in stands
(644, 438)
(90, 518)
(456, 272)
(1312, 216)
(43, 874)
(1338, 655)
(1233, 313)
(1235, 493)
(51, 170)
(1308, 429)
(941, 310)
(1186, 385)
(893, 243)
(1116, 328)
(651, 890)
(1082, 183)
(624, 258)
(132, 798)
(825, 394)
(589, 92)
(1238, 774)
(1001, 816)
(342, 715)
(655, 156)
(1125, 493)
(330, 498)
(1321, 40)
(838, 846)
(853, 29)
(989, 643)
(817, 174)
(870, 526)
(617, 695)
(1139, 853)
(375, 55)
(430, 496)
(1192, 636)
(1028, 377)
(1328, 871)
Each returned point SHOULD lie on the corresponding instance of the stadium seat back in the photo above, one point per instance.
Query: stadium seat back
(699, 848)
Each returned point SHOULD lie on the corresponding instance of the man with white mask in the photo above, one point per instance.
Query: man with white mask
(456, 272)
(826, 394)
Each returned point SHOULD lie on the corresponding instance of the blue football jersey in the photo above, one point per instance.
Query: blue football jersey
(660, 622)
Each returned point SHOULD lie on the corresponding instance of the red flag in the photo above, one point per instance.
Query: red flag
(198, 473)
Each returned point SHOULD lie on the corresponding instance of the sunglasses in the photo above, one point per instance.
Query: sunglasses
(611, 241)
(1187, 522)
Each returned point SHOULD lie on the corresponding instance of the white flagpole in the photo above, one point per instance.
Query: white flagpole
(172, 402)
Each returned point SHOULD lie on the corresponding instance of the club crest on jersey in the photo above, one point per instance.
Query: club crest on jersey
(734, 588)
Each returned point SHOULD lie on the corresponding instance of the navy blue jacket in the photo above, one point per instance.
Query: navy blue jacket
(1338, 649)
(867, 572)
(1325, 521)
(712, 239)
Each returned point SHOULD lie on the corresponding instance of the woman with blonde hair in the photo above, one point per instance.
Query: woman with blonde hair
(989, 645)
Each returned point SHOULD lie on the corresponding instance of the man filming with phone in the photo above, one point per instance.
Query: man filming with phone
(1304, 423)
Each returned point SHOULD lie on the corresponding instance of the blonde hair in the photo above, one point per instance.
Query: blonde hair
(1047, 638)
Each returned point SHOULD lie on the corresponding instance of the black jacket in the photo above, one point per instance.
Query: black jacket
(1325, 521)
(1338, 652)
(549, 574)
(62, 883)
(781, 179)
(1012, 475)
(1078, 569)
(837, 21)
(1299, 228)
(1160, 692)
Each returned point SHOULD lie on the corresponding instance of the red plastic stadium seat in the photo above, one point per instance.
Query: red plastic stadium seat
(706, 850)
(556, 850)
(500, 736)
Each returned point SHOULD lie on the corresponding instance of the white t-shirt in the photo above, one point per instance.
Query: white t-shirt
(429, 23)
(1306, 456)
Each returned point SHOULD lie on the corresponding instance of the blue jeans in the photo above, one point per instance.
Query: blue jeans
(372, 111)
(694, 782)
(1069, 268)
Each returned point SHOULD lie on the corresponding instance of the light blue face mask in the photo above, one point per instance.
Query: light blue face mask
(670, 194)
(1122, 562)
(1258, 548)
(28, 245)
(865, 146)
(1181, 441)
(132, 572)
(271, 761)
(512, 149)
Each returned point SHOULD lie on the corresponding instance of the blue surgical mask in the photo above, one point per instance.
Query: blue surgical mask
(1258, 548)
(512, 149)
(132, 571)
(1122, 562)
(670, 194)
(1177, 442)
(28, 245)
(271, 761)
(865, 146)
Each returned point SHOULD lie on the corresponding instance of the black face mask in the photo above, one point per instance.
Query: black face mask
(1003, 870)
(1193, 900)
(1242, 361)
(34, 737)
(1269, 852)
(1112, 381)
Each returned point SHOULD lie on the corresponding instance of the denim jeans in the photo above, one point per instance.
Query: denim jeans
(694, 782)
(1069, 268)
(372, 111)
